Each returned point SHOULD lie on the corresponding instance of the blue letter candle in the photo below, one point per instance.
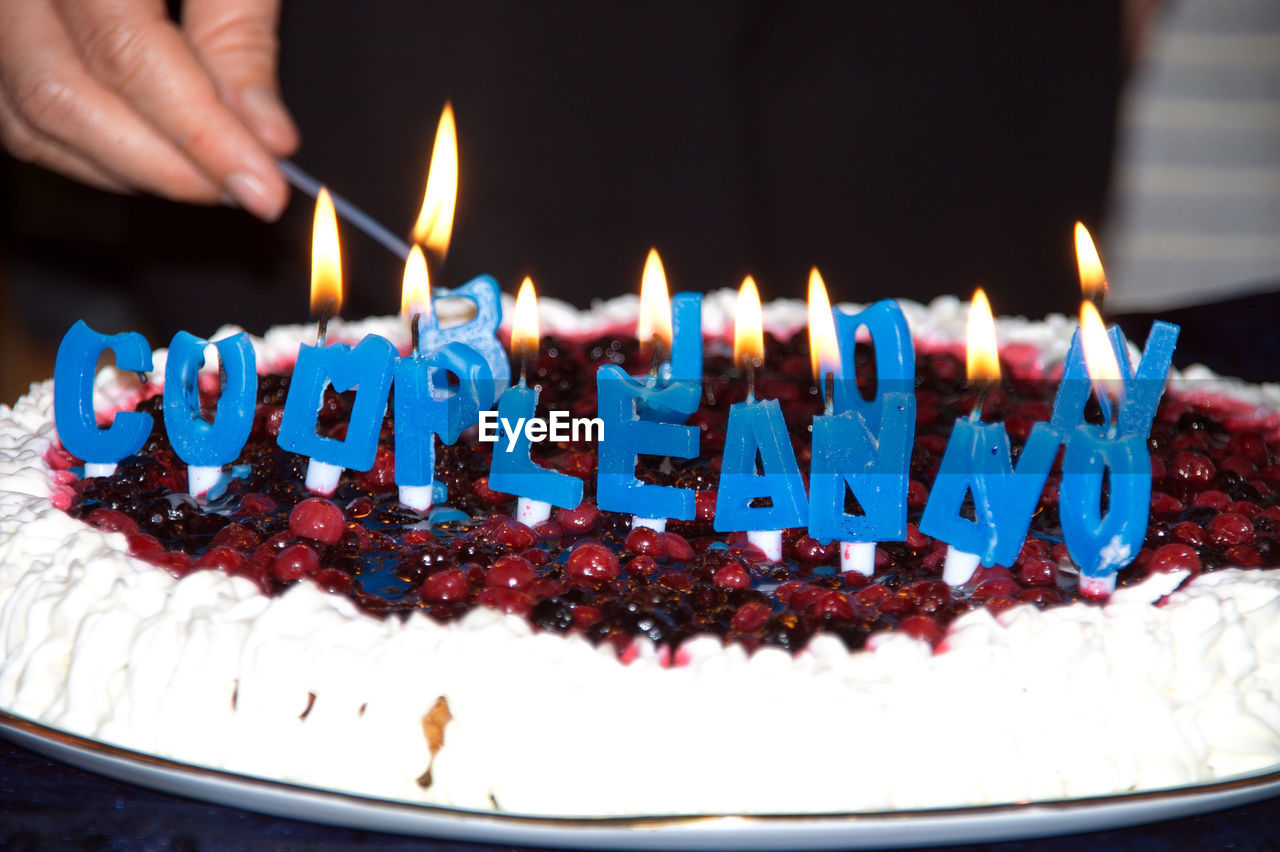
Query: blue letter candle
(978, 461)
(424, 409)
(367, 367)
(629, 434)
(512, 470)
(1103, 544)
(480, 332)
(205, 446)
(1142, 388)
(846, 454)
(686, 346)
(865, 445)
(73, 413)
(895, 359)
(756, 428)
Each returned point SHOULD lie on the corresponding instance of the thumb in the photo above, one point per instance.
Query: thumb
(236, 41)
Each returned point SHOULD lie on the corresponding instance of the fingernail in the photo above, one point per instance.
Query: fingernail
(251, 193)
(268, 113)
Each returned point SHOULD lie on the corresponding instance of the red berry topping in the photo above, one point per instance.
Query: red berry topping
(333, 580)
(646, 542)
(1038, 572)
(732, 577)
(481, 489)
(257, 504)
(679, 581)
(1192, 467)
(995, 588)
(1230, 528)
(318, 519)
(222, 558)
(813, 551)
(751, 616)
(833, 604)
(805, 597)
(999, 604)
(511, 572)
(413, 538)
(585, 616)
(506, 600)
(295, 562)
(145, 546)
(382, 476)
(705, 505)
(921, 627)
(1174, 557)
(931, 595)
(1188, 532)
(1250, 445)
(678, 547)
(1163, 504)
(1244, 556)
(514, 535)
(1212, 499)
(874, 595)
(579, 519)
(109, 520)
(592, 561)
(916, 540)
(645, 566)
(447, 586)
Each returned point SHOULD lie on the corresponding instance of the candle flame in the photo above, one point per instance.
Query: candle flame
(748, 326)
(415, 290)
(524, 324)
(655, 304)
(824, 349)
(435, 220)
(1093, 280)
(982, 358)
(326, 257)
(1099, 357)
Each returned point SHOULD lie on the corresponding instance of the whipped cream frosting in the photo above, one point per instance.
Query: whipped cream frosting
(1072, 701)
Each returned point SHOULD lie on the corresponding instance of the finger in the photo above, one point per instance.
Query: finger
(29, 145)
(134, 49)
(236, 41)
(54, 99)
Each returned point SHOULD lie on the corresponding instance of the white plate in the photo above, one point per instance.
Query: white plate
(846, 831)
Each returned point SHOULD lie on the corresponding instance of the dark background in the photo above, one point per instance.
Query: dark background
(906, 149)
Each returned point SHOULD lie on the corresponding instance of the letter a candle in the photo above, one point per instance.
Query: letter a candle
(761, 503)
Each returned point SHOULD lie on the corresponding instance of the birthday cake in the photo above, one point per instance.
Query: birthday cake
(583, 668)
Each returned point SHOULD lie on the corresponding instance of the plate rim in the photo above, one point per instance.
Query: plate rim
(12, 722)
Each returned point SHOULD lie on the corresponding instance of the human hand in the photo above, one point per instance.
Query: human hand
(115, 94)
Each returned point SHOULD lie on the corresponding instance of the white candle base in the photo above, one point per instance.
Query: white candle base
(92, 469)
(858, 557)
(658, 524)
(1098, 587)
(769, 541)
(959, 566)
(532, 512)
(322, 477)
(200, 478)
(416, 497)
